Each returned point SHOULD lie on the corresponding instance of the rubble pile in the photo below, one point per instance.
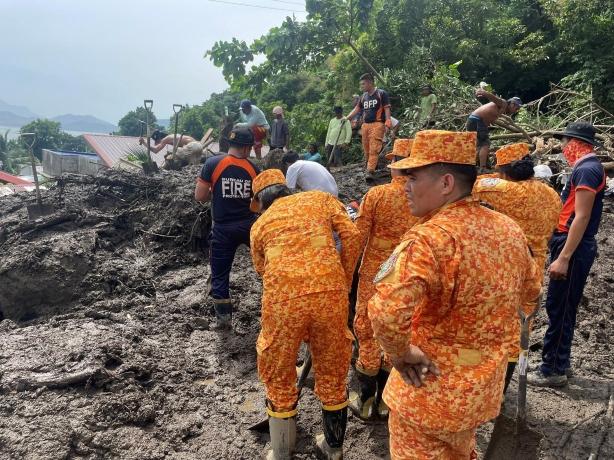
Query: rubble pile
(106, 350)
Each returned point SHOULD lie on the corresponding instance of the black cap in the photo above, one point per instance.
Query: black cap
(338, 109)
(582, 130)
(242, 137)
(290, 157)
(158, 135)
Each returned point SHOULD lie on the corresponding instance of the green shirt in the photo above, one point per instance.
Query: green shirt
(426, 106)
(334, 127)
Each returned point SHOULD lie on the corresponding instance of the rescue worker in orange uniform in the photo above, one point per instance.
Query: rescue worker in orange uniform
(446, 302)
(374, 108)
(533, 205)
(383, 218)
(305, 297)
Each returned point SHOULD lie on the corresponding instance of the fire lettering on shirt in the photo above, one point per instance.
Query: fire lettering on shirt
(236, 188)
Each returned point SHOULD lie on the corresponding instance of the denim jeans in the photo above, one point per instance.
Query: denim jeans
(562, 303)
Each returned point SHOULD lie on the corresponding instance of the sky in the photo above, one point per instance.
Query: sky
(104, 57)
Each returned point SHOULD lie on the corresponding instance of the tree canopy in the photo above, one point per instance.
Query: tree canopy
(520, 47)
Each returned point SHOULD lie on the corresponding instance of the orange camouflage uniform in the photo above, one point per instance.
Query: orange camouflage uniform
(305, 295)
(532, 204)
(451, 288)
(383, 218)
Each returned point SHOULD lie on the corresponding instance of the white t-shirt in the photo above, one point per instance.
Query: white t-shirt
(308, 175)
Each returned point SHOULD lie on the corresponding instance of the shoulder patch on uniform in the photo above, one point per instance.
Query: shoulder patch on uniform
(386, 268)
(490, 182)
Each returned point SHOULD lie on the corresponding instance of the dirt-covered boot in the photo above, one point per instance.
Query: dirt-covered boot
(330, 443)
(380, 405)
(283, 438)
(362, 403)
(223, 315)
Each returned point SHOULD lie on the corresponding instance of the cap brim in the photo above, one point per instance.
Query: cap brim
(584, 139)
(410, 163)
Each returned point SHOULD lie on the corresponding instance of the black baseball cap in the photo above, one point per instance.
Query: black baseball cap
(290, 157)
(242, 137)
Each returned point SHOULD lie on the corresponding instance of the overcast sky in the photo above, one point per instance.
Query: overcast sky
(103, 57)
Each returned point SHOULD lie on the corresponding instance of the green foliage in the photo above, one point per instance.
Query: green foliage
(130, 124)
(518, 46)
(196, 120)
(50, 136)
(308, 123)
(138, 154)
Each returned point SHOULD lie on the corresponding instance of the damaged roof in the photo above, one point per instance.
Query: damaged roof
(112, 148)
(15, 180)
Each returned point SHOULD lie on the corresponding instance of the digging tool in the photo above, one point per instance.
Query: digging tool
(263, 425)
(332, 152)
(150, 166)
(39, 209)
(509, 438)
(176, 109)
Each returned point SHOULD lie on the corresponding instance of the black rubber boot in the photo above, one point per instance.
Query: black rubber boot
(362, 404)
(380, 405)
(223, 314)
(330, 444)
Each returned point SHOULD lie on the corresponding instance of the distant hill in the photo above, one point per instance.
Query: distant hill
(18, 110)
(11, 119)
(17, 116)
(84, 123)
(164, 122)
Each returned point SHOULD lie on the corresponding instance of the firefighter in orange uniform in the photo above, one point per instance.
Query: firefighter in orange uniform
(305, 296)
(445, 303)
(383, 218)
(533, 205)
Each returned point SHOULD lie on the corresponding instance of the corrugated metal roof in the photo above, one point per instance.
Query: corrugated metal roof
(111, 148)
(6, 177)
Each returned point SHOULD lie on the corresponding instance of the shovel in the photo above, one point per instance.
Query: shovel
(39, 209)
(263, 425)
(176, 109)
(332, 152)
(509, 439)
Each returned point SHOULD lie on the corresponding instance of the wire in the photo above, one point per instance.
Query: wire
(257, 6)
(289, 3)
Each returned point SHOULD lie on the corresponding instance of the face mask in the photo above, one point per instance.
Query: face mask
(576, 149)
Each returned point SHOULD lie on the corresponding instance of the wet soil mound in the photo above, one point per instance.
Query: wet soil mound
(109, 234)
(106, 350)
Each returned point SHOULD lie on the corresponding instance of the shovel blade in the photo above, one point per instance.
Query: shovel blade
(261, 427)
(39, 210)
(512, 443)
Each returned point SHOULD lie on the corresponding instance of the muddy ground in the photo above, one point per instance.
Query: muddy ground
(106, 352)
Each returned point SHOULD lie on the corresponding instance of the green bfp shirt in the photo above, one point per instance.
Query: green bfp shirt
(426, 106)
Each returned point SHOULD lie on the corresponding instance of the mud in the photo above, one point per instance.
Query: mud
(106, 351)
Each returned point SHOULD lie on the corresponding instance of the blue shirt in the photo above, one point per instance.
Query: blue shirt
(588, 174)
(231, 187)
(312, 157)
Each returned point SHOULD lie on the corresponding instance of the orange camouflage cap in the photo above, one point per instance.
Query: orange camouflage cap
(436, 146)
(512, 152)
(402, 148)
(263, 180)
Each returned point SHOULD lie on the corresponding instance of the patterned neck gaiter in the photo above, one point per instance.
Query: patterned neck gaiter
(575, 150)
